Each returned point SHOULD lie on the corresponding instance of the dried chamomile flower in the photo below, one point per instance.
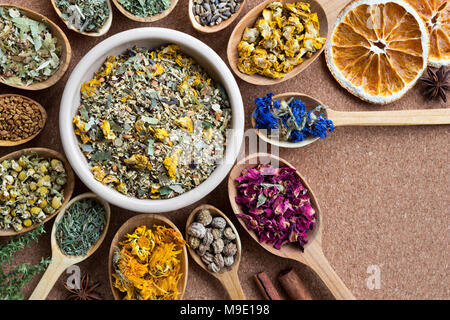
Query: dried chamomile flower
(279, 40)
(31, 188)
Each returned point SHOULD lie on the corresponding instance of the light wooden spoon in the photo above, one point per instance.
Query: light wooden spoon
(154, 18)
(148, 220)
(68, 188)
(100, 32)
(227, 276)
(7, 143)
(360, 118)
(66, 51)
(60, 262)
(211, 29)
(313, 255)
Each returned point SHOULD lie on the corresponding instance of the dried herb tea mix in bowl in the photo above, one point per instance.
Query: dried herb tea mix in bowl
(152, 123)
(152, 120)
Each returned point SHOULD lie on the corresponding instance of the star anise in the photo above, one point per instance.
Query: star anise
(437, 83)
(86, 291)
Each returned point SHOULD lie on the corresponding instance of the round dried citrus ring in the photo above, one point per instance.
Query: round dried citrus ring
(436, 14)
(378, 49)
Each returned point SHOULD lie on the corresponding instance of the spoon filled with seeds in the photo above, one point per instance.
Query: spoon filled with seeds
(22, 119)
(79, 230)
(215, 245)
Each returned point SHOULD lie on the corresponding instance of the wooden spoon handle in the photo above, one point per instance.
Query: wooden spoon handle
(230, 281)
(390, 118)
(314, 257)
(332, 10)
(48, 280)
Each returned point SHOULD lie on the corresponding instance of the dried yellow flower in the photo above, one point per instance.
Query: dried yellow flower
(279, 40)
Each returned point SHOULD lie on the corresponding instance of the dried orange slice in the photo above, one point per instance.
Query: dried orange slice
(436, 14)
(378, 49)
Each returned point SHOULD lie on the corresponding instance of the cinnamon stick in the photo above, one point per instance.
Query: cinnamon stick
(266, 286)
(293, 286)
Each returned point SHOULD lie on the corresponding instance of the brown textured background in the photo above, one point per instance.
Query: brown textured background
(384, 192)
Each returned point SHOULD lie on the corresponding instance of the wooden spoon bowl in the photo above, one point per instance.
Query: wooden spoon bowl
(313, 255)
(68, 188)
(60, 261)
(66, 51)
(149, 220)
(310, 103)
(154, 18)
(249, 20)
(100, 32)
(227, 276)
(359, 118)
(8, 143)
(211, 29)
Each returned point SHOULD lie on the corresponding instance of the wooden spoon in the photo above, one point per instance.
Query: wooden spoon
(154, 18)
(313, 255)
(60, 262)
(149, 220)
(249, 20)
(68, 188)
(360, 118)
(227, 276)
(100, 32)
(211, 29)
(8, 143)
(66, 51)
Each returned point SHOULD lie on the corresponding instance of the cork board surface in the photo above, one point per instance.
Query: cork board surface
(384, 191)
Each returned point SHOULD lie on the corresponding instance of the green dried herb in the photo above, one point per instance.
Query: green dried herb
(29, 53)
(11, 282)
(145, 8)
(84, 15)
(80, 227)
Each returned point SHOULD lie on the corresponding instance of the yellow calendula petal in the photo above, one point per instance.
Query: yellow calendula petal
(107, 132)
(185, 123)
(139, 161)
(98, 173)
(171, 163)
(158, 70)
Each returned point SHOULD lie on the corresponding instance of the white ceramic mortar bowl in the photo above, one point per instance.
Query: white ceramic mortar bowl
(149, 38)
